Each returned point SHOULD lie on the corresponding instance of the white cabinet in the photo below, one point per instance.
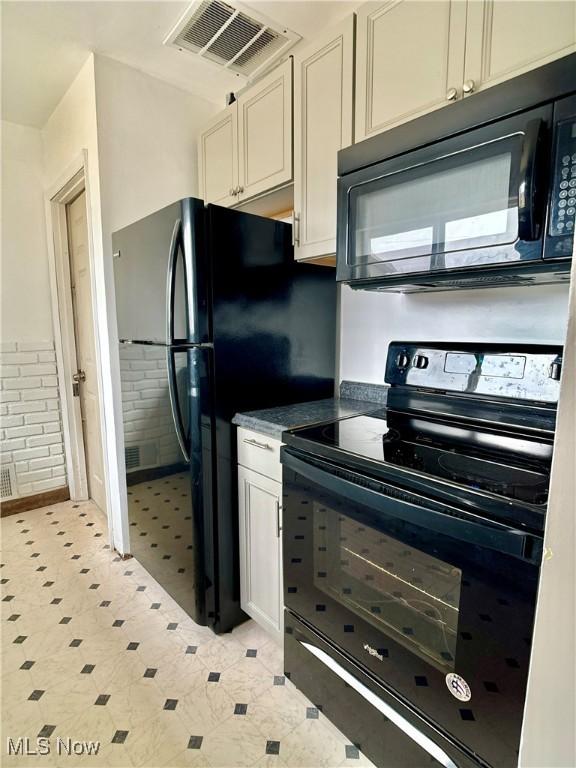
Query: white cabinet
(409, 54)
(218, 158)
(323, 118)
(260, 529)
(505, 38)
(265, 133)
(414, 56)
(246, 150)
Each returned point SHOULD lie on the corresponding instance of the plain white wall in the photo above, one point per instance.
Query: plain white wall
(370, 320)
(25, 291)
(147, 134)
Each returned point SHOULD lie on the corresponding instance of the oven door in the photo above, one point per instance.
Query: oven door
(473, 200)
(438, 604)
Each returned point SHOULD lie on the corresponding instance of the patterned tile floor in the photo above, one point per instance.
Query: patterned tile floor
(93, 649)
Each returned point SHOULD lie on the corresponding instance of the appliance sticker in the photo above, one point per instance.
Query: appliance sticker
(458, 687)
(373, 652)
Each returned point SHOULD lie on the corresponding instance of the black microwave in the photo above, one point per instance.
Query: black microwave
(478, 194)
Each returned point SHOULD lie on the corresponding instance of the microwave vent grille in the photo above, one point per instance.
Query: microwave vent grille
(487, 279)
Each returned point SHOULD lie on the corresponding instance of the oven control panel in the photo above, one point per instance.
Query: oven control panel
(563, 202)
(522, 373)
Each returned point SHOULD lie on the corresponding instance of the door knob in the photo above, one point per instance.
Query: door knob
(451, 94)
(468, 86)
(76, 379)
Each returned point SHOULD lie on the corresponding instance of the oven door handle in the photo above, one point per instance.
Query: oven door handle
(385, 709)
(466, 527)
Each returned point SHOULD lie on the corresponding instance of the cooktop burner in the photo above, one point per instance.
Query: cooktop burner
(465, 456)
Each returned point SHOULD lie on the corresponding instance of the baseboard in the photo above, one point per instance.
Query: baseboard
(13, 506)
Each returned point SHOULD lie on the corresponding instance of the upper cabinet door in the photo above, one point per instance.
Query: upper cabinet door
(265, 133)
(505, 38)
(218, 158)
(323, 118)
(409, 60)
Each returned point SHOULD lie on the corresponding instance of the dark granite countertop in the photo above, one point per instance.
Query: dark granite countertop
(274, 421)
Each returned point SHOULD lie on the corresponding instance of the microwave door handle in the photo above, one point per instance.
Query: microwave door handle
(482, 533)
(528, 224)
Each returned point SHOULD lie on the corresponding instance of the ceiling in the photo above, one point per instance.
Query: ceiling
(44, 45)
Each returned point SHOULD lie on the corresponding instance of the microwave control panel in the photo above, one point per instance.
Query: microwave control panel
(563, 208)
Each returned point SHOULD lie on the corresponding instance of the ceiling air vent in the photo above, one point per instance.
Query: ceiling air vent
(231, 36)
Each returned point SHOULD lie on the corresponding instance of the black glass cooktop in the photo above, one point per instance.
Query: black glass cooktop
(510, 466)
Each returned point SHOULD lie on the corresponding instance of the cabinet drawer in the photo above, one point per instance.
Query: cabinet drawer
(259, 453)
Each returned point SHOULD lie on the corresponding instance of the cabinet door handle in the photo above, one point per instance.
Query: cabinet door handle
(468, 86)
(264, 446)
(295, 229)
(278, 526)
(232, 192)
(451, 94)
(239, 190)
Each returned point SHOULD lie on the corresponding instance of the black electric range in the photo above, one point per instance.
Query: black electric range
(412, 541)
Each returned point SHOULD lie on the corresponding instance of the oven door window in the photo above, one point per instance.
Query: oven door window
(402, 591)
(420, 218)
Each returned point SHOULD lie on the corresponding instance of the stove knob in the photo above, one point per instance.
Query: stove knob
(403, 360)
(421, 361)
(555, 370)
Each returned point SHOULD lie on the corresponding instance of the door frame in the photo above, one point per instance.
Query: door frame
(73, 182)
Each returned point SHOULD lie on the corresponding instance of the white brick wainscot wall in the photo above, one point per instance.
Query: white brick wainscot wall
(31, 427)
(147, 416)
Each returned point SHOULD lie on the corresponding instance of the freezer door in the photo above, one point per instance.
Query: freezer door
(159, 276)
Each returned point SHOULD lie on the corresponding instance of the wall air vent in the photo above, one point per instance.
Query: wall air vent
(8, 487)
(231, 36)
(140, 456)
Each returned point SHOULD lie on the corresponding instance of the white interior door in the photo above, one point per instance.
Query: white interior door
(85, 346)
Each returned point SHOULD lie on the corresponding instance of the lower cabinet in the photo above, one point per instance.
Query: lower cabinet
(260, 527)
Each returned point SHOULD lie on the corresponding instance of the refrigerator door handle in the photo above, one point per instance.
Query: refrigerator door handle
(171, 279)
(175, 405)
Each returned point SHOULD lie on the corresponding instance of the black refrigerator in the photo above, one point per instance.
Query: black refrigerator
(214, 317)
